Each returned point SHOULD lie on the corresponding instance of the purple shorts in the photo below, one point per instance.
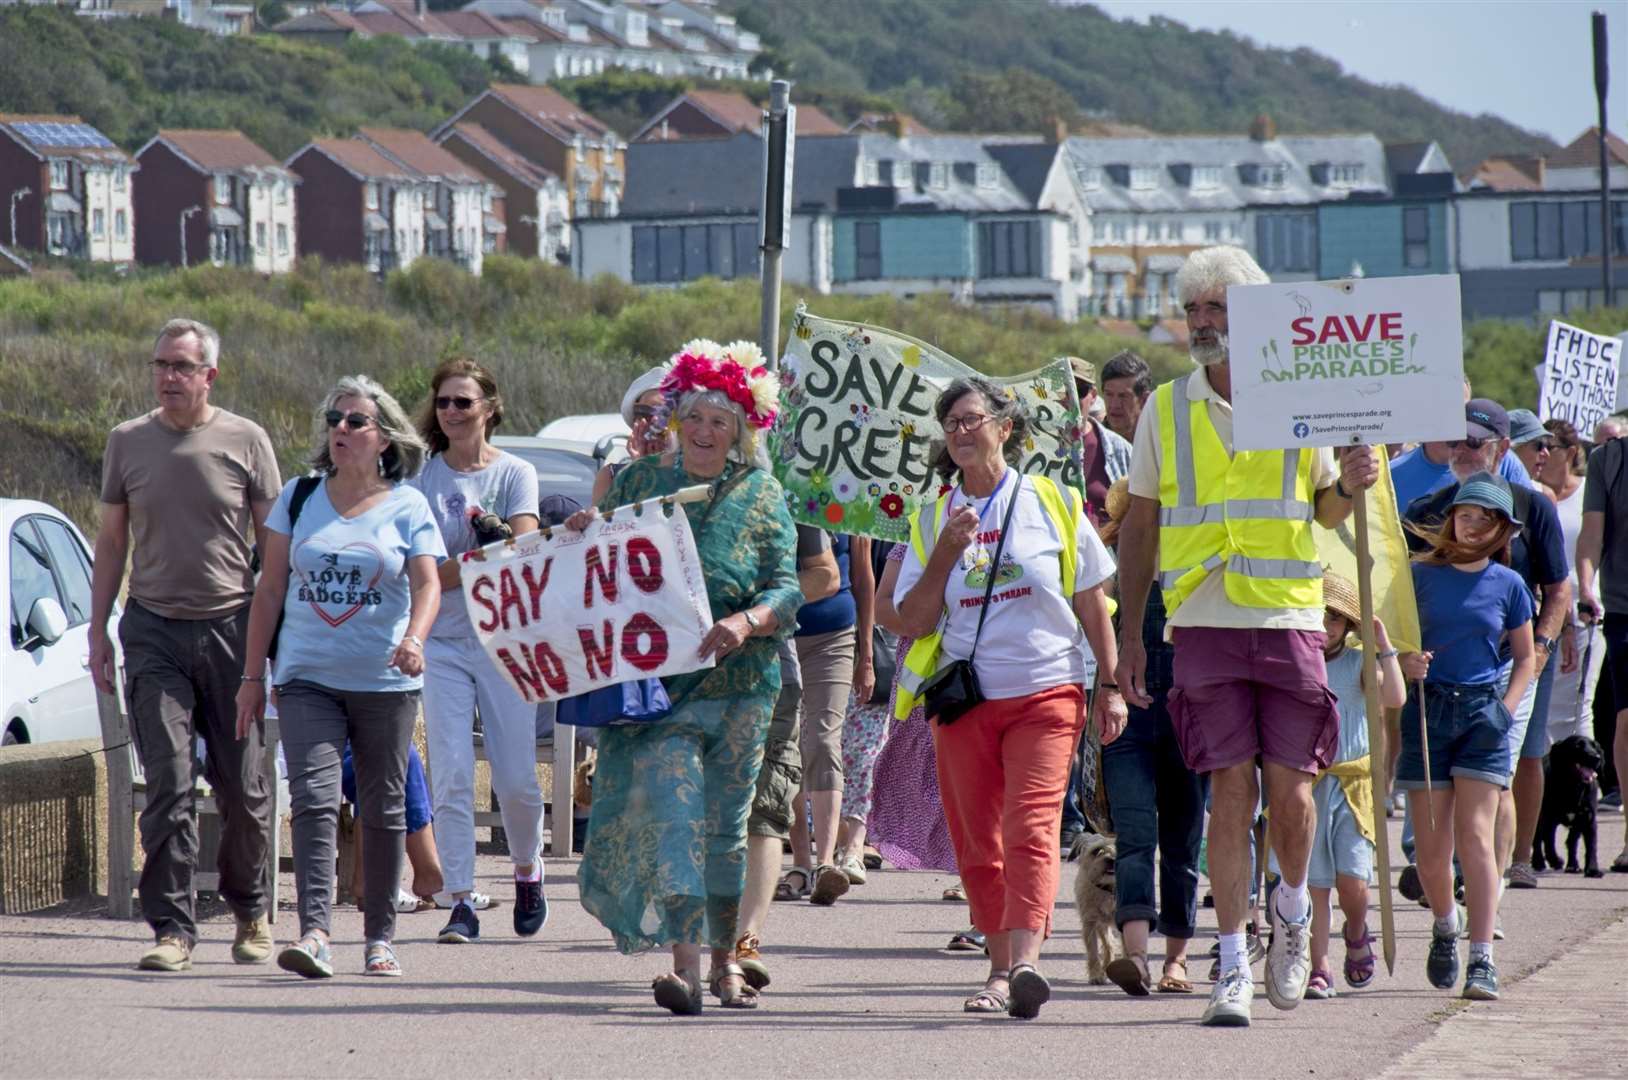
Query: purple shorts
(1239, 694)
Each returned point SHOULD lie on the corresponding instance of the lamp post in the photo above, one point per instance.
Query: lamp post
(16, 196)
(536, 233)
(188, 212)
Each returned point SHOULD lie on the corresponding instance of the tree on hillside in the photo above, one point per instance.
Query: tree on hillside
(1011, 100)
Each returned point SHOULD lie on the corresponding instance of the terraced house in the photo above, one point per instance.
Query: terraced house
(66, 189)
(214, 196)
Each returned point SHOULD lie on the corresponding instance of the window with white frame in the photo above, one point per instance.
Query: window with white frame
(1120, 230)
(120, 177)
(98, 224)
(1144, 177)
(872, 172)
(1349, 175)
(260, 236)
(1270, 176)
(986, 175)
(1212, 231)
(282, 239)
(223, 189)
(59, 175)
(1091, 177)
(1232, 230)
(121, 225)
(1415, 237)
(282, 192)
(1206, 177)
(370, 195)
(938, 175)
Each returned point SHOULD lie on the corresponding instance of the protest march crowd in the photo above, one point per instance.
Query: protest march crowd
(1040, 669)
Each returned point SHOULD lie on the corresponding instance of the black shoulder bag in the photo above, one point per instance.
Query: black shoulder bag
(955, 690)
(303, 487)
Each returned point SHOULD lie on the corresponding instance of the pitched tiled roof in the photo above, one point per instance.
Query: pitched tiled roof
(218, 151)
(1027, 165)
(1584, 151)
(360, 158)
(474, 24)
(322, 20)
(61, 136)
(499, 154)
(1509, 173)
(736, 113)
(887, 122)
(415, 150)
(550, 108)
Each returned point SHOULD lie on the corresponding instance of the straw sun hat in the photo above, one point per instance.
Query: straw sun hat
(1340, 596)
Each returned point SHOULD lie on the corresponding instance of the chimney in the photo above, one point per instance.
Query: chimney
(1263, 129)
(1057, 133)
(893, 124)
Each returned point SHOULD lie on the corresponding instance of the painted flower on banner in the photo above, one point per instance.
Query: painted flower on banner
(817, 478)
(873, 489)
(844, 487)
(892, 505)
(861, 415)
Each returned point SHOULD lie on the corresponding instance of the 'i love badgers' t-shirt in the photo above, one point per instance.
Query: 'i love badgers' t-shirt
(348, 594)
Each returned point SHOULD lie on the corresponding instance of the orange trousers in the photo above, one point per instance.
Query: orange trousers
(1002, 770)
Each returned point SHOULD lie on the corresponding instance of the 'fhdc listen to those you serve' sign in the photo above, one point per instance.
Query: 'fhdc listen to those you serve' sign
(564, 613)
(1579, 377)
(1334, 363)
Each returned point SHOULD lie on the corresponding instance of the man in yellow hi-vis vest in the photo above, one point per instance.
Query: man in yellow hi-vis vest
(1231, 535)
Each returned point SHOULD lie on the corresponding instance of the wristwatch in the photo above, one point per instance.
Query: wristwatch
(1547, 644)
(751, 621)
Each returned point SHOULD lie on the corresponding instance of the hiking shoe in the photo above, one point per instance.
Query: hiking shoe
(1230, 999)
(1409, 885)
(1441, 965)
(462, 928)
(1481, 980)
(530, 908)
(252, 945)
(171, 953)
(1288, 961)
(1521, 876)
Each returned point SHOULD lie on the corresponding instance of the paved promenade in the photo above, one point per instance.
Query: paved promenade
(861, 989)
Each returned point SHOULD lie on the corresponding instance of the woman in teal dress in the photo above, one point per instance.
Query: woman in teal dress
(665, 861)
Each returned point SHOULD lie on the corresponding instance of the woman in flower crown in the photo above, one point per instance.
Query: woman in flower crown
(665, 862)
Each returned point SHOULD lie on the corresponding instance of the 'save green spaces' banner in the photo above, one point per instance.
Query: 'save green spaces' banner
(856, 435)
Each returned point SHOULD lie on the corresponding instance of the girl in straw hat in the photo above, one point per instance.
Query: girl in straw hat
(1342, 855)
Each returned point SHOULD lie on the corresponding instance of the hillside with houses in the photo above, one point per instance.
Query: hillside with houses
(487, 147)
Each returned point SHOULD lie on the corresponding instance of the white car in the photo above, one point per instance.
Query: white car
(602, 436)
(45, 683)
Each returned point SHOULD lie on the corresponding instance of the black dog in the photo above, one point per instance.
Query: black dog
(1569, 799)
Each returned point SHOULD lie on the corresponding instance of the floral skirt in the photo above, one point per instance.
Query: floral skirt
(906, 821)
(864, 733)
(665, 861)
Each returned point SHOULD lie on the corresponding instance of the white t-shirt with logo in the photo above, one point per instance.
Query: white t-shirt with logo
(1032, 640)
(506, 487)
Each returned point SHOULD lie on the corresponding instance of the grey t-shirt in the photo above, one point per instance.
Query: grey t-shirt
(506, 487)
(811, 542)
(1606, 492)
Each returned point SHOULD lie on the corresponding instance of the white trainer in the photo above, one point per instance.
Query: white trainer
(1288, 961)
(1230, 1000)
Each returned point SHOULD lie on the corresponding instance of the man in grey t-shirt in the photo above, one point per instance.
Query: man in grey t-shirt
(1602, 547)
(189, 483)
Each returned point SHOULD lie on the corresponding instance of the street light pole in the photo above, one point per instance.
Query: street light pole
(15, 196)
(536, 234)
(188, 212)
(1602, 78)
(774, 215)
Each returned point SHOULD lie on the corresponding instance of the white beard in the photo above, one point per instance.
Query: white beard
(1209, 355)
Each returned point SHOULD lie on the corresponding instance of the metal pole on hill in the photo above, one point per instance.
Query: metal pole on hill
(774, 213)
(1602, 79)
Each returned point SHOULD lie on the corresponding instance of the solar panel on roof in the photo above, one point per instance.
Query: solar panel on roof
(52, 133)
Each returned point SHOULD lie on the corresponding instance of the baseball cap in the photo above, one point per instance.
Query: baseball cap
(1486, 419)
(1490, 491)
(1524, 427)
(552, 510)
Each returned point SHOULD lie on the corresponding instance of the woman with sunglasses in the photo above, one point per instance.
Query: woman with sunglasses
(477, 494)
(350, 558)
(644, 411)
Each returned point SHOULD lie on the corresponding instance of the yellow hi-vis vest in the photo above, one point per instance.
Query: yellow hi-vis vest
(921, 662)
(1249, 513)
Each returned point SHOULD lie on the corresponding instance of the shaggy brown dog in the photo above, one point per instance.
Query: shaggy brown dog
(1094, 900)
(582, 783)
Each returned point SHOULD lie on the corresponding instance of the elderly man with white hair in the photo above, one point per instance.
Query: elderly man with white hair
(1231, 534)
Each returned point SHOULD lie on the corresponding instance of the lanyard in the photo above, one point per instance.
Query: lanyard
(988, 506)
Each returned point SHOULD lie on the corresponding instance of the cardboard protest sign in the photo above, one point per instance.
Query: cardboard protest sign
(1579, 381)
(561, 613)
(856, 433)
(1334, 363)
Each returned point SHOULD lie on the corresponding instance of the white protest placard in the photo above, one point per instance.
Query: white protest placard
(1334, 363)
(1580, 377)
(561, 613)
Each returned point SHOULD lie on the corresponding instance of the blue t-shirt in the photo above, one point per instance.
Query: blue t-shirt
(1463, 617)
(837, 611)
(348, 594)
(1413, 474)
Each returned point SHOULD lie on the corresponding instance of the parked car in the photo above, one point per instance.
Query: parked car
(45, 683)
(562, 467)
(602, 435)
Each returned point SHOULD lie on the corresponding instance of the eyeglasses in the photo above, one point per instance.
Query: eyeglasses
(463, 404)
(1544, 446)
(969, 422)
(356, 421)
(644, 412)
(1474, 442)
(184, 368)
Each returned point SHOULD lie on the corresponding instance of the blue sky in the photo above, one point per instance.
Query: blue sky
(1529, 61)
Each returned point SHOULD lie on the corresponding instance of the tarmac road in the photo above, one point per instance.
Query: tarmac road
(860, 989)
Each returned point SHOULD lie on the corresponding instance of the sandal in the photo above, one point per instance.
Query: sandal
(1359, 971)
(746, 954)
(676, 993)
(785, 890)
(1319, 986)
(967, 941)
(829, 884)
(1175, 984)
(957, 892)
(989, 999)
(380, 959)
(740, 995)
(309, 957)
(1130, 973)
(1030, 990)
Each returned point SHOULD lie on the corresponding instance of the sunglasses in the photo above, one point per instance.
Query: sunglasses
(1474, 442)
(355, 421)
(1545, 445)
(644, 412)
(462, 404)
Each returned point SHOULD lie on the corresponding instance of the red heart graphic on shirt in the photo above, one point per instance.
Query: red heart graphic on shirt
(334, 566)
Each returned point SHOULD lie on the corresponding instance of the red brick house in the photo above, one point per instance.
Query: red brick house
(237, 199)
(455, 196)
(534, 206)
(357, 205)
(65, 189)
